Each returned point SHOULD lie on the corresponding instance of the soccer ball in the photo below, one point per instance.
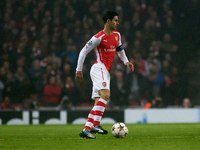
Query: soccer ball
(119, 130)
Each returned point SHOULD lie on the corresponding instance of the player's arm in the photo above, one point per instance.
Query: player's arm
(91, 44)
(123, 57)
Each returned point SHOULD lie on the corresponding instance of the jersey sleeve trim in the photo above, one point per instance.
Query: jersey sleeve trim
(78, 72)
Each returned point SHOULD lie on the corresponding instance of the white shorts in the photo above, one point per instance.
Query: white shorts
(100, 79)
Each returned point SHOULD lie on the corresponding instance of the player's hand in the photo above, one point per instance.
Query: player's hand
(130, 65)
(79, 77)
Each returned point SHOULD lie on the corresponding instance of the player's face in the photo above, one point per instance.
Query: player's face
(114, 23)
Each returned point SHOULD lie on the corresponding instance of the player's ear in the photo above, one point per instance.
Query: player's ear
(108, 21)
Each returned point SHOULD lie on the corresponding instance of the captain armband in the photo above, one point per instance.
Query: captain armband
(119, 48)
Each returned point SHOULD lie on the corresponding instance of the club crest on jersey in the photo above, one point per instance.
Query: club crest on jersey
(104, 84)
(116, 38)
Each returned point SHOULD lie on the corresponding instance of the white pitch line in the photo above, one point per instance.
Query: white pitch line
(171, 137)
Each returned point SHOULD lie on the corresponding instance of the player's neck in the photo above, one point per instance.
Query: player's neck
(107, 30)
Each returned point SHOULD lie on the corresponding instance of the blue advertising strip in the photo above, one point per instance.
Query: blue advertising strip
(199, 115)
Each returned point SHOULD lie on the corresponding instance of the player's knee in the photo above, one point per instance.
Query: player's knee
(105, 94)
(106, 97)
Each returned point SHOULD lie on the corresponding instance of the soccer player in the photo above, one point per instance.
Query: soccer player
(104, 44)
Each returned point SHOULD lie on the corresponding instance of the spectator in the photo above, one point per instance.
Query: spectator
(157, 103)
(27, 104)
(11, 88)
(155, 47)
(176, 56)
(3, 74)
(1, 90)
(37, 51)
(22, 62)
(6, 104)
(148, 33)
(137, 47)
(166, 67)
(71, 52)
(6, 66)
(65, 104)
(169, 27)
(52, 93)
(168, 91)
(119, 92)
(136, 23)
(141, 65)
(136, 87)
(35, 73)
(157, 78)
(24, 83)
(153, 60)
(186, 103)
(180, 85)
(70, 90)
(66, 71)
(166, 44)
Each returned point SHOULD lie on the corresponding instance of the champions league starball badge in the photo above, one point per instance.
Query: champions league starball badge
(89, 43)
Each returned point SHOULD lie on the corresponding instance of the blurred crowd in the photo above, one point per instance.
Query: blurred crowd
(40, 42)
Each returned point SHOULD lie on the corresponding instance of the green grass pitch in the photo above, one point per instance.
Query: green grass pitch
(65, 137)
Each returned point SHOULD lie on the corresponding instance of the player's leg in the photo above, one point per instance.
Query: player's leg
(95, 96)
(100, 93)
(99, 111)
(90, 120)
(100, 106)
(85, 133)
(96, 100)
(101, 84)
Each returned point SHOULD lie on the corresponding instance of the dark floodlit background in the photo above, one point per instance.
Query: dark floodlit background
(40, 41)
